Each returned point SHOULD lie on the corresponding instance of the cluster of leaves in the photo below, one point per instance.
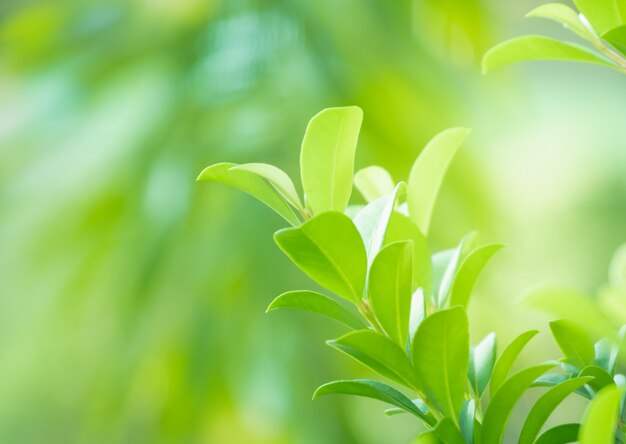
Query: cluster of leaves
(600, 23)
(406, 309)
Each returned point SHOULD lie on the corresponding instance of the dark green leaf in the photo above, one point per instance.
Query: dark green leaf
(574, 342)
(329, 249)
(561, 434)
(482, 360)
(600, 377)
(318, 303)
(507, 358)
(503, 401)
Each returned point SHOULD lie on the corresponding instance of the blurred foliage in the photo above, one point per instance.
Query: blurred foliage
(132, 298)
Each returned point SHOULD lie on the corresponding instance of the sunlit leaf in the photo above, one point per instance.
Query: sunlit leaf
(600, 418)
(379, 353)
(560, 434)
(617, 38)
(329, 249)
(574, 342)
(447, 431)
(327, 158)
(537, 47)
(422, 408)
(252, 184)
(370, 389)
(503, 401)
(564, 15)
(468, 273)
(278, 178)
(389, 289)
(445, 267)
(507, 358)
(545, 405)
(482, 360)
(428, 172)
(373, 182)
(320, 304)
(440, 352)
(603, 14)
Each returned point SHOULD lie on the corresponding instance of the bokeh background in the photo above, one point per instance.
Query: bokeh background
(132, 298)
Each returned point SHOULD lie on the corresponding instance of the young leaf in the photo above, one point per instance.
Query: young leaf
(564, 15)
(466, 420)
(370, 389)
(545, 405)
(373, 182)
(329, 249)
(401, 228)
(506, 359)
(445, 267)
(574, 342)
(560, 434)
(420, 405)
(278, 178)
(504, 400)
(440, 352)
(537, 47)
(468, 273)
(603, 14)
(482, 360)
(427, 174)
(320, 304)
(390, 289)
(252, 184)
(605, 354)
(600, 377)
(600, 418)
(327, 158)
(379, 354)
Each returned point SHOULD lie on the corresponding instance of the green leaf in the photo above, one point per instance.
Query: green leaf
(482, 360)
(552, 379)
(378, 353)
(600, 418)
(420, 405)
(389, 289)
(600, 377)
(605, 355)
(252, 184)
(564, 15)
(329, 249)
(440, 352)
(327, 158)
(560, 434)
(574, 342)
(427, 174)
(448, 432)
(503, 401)
(545, 405)
(278, 178)
(445, 267)
(537, 47)
(570, 304)
(373, 221)
(373, 182)
(507, 358)
(401, 228)
(370, 389)
(603, 14)
(320, 304)
(468, 273)
(617, 38)
(466, 420)
(428, 438)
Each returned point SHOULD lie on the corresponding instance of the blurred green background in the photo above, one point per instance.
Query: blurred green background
(132, 298)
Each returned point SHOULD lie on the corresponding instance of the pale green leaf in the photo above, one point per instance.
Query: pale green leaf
(440, 352)
(560, 434)
(537, 47)
(373, 182)
(389, 289)
(320, 304)
(278, 178)
(564, 15)
(252, 184)
(379, 353)
(574, 342)
(428, 172)
(445, 267)
(603, 14)
(507, 358)
(600, 418)
(503, 401)
(482, 360)
(327, 158)
(428, 438)
(468, 273)
(617, 269)
(329, 249)
(545, 405)
(370, 389)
